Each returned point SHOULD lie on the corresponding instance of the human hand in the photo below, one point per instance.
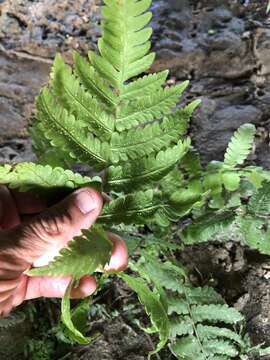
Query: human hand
(39, 238)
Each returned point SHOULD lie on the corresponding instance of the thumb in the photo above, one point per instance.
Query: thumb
(39, 240)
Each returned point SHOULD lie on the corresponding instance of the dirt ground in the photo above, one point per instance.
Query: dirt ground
(222, 46)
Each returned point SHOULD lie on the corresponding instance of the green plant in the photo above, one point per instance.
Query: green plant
(133, 135)
(202, 325)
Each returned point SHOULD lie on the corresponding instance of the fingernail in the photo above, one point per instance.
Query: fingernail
(85, 201)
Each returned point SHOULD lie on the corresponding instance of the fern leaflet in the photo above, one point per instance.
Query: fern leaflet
(148, 169)
(84, 255)
(240, 145)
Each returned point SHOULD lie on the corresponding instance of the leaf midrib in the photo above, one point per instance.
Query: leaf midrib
(70, 136)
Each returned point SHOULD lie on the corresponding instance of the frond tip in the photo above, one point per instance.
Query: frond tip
(240, 145)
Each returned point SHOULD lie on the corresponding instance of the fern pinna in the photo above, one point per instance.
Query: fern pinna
(132, 134)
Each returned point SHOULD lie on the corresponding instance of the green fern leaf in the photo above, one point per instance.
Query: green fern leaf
(69, 135)
(129, 209)
(256, 233)
(92, 81)
(187, 348)
(45, 152)
(180, 327)
(190, 348)
(220, 347)
(6, 175)
(231, 180)
(191, 162)
(214, 332)
(84, 255)
(259, 203)
(151, 107)
(216, 313)
(153, 307)
(172, 182)
(71, 330)
(201, 324)
(78, 102)
(169, 276)
(181, 202)
(240, 145)
(203, 295)
(265, 351)
(143, 86)
(195, 295)
(124, 46)
(44, 179)
(134, 144)
(207, 228)
(146, 170)
(104, 68)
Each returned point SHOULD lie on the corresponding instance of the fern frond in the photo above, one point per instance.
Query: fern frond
(143, 86)
(83, 256)
(146, 170)
(129, 209)
(44, 179)
(79, 102)
(125, 43)
(256, 232)
(207, 228)
(93, 82)
(259, 203)
(133, 144)
(202, 326)
(69, 135)
(151, 107)
(240, 145)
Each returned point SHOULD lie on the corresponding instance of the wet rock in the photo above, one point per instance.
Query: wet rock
(15, 151)
(214, 124)
(261, 51)
(211, 42)
(20, 81)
